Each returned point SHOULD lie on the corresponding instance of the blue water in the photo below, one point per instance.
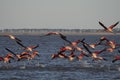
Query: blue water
(43, 68)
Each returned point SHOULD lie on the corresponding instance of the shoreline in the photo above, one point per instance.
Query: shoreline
(66, 33)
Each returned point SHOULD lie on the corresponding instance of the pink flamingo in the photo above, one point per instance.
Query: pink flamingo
(13, 38)
(60, 34)
(110, 28)
(7, 58)
(29, 48)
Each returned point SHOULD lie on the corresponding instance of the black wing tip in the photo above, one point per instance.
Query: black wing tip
(100, 22)
(7, 49)
(114, 60)
(118, 22)
(119, 51)
(17, 39)
(105, 59)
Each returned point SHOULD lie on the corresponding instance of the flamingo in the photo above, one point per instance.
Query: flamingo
(82, 55)
(72, 55)
(7, 58)
(59, 55)
(94, 45)
(19, 56)
(54, 56)
(110, 28)
(35, 53)
(24, 55)
(103, 38)
(110, 49)
(29, 56)
(60, 34)
(75, 43)
(91, 45)
(110, 43)
(72, 46)
(63, 49)
(13, 38)
(94, 55)
(29, 48)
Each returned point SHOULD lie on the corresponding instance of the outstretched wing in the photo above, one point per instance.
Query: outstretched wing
(50, 33)
(18, 39)
(112, 26)
(84, 45)
(64, 38)
(33, 47)
(21, 44)
(103, 25)
(10, 51)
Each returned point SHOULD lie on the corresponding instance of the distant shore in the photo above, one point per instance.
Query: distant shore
(66, 33)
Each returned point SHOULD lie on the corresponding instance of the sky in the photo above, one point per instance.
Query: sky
(58, 14)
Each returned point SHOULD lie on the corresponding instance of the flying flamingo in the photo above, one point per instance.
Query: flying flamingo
(63, 49)
(110, 28)
(24, 55)
(35, 53)
(7, 58)
(75, 43)
(91, 45)
(60, 34)
(82, 54)
(19, 56)
(29, 48)
(103, 38)
(72, 46)
(94, 55)
(72, 55)
(29, 56)
(59, 55)
(13, 38)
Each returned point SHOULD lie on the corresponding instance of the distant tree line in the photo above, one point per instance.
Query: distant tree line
(59, 30)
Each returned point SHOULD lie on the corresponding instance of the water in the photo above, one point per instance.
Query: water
(43, 68)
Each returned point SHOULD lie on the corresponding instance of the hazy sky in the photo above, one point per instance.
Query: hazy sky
(67, 14)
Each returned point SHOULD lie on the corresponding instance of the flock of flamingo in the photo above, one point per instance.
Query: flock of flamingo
(30, 53)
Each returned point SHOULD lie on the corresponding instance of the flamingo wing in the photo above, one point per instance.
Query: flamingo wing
(18, 39)
(78, 41)
(64, 38)
(112, 26)
(33, 47)
(84, 45)
(10, 51)
(114, 60)
(51, 33)
(103, 25)
(21, 44)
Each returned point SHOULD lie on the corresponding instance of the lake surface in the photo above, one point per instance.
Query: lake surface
(43, 68)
